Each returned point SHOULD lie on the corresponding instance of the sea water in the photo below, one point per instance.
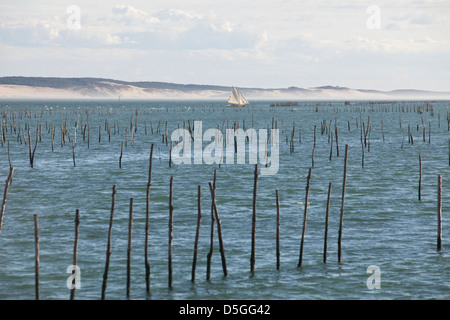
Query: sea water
(388, 236)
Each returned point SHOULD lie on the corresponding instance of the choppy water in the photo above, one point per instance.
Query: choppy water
(384, 223)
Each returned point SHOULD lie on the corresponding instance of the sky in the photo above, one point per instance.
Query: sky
(381, 45)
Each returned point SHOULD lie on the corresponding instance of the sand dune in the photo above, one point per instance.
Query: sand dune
(89, 88)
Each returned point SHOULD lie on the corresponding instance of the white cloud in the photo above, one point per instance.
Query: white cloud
(131, 15)
(258, 42)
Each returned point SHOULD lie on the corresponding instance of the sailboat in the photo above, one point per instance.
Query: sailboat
(236, 99)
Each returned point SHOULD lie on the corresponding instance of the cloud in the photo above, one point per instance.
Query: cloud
(131, 15)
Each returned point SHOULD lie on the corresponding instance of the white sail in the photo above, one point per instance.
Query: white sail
(236, 98)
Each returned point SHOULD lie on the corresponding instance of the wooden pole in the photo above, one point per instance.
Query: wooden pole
(326, 226)
(147, 227)
(331, 147)
(420, 175)
(120, 158)
(337, 139)
(108, 247)
(8, 183)
(278, 230)
(342, 205)
(170, 230)
(73, 154)
(255, 185)
(211, 246)
(9, 157)
(36, 252)
(197, 234)
(314, 147)
(130, 230)
(75, 247)
(219, 229)
(305, 213)
(439, 212)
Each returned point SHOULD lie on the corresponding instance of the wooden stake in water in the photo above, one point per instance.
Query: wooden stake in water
(108, 247)
(170, 231)
(439, 212)
(278, 230)
(120, 158)
(147, 227)
(197, 234)
(342, 204)
(211, 245)
(420, 175)
(255, 185)
(130, 228)
(326, 226)
(5, 194)
(305, 214)
(75, 248)
(314, 147)
(73, 154)
(36, 255)
(219, 229)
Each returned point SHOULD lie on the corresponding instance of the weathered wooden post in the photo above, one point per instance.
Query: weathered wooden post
(219, 229)
(36, 255)
(5, 194)
(75, 247)
(326, 226)
(439, 213)
(108, 247)
(305, 213)
(278, 230)
(255, 185)
(342, 204)
(130, 231)
(420, 176)
(147, 227)
(197, 234)
(170, 230)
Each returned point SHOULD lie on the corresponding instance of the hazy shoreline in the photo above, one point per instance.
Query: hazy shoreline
(96, 88)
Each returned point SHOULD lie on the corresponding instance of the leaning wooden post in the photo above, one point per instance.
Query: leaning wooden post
(108, 248)
(255, 185)
(342, 204)
(304, 218)
(197, 234)
(211, 248)
(130, 227)
(439, 212)
(36, 255)
(147, 227)
(170, 231)
(420, 175)
(278, 230)
(326, 226)
(219, 229)
(75, 247)
(8, 183)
